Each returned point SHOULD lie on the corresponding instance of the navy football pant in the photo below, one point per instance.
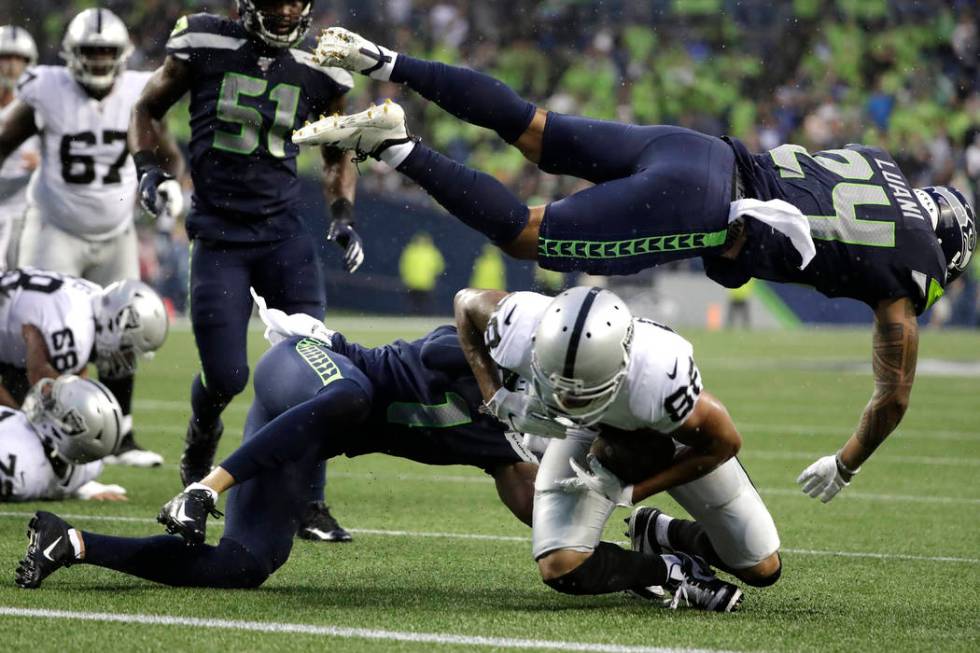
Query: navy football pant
(278, 461)
(662, 192)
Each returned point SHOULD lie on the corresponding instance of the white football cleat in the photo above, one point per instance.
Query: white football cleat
(367, 133)
(345, 49)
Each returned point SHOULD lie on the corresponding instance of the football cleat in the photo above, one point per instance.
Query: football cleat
(199, 449)
(132, 454)
(367, 133)
(50, 548)
(640, 528)
(319, 525)
(345, 49)
(691, 580)
(187, 513)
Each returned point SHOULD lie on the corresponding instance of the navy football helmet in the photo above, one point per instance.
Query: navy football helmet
(273, 27)
(955, 223)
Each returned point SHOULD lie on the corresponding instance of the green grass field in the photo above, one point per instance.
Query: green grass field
(893, 564)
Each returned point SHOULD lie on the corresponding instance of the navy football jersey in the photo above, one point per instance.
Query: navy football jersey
(874, 240)
(246, 98)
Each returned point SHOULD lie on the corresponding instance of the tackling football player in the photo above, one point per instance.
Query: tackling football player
(82, 199)
(315, 397)
(844, 221)
(249, 88)
(593, 368)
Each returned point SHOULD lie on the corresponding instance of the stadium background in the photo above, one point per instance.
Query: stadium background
(902, 74)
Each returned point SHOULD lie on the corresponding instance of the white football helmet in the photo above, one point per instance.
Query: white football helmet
(79, 418)
(17, 42)
(88, 35)
(579, 354)
(130, 321)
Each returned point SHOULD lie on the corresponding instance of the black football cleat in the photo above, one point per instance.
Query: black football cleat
(199, 449)
(641, 529)
(319, 525)
(692, 582)
(187, 513)
(49, 549)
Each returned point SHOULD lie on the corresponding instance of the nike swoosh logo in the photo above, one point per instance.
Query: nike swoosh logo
(507, 319)
(181, 515)
(673, 375)
(47, 551)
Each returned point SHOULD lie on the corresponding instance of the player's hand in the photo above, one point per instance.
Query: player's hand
(160, 193)
(95, 491)
(343, 233)
(825, 478)
(522, 412)
(600, 480)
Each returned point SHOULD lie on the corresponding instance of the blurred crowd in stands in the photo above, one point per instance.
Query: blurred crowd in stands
(902, 74)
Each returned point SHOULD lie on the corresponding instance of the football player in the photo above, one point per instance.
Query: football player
(53, 324)
(54, 449)
(82, 200)
(17, 52)
(316, 397)
(249, 87)
(591, 366)
(844, 221)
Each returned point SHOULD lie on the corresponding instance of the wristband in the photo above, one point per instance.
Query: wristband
(342, 209)
(843, 469)
(144, 160)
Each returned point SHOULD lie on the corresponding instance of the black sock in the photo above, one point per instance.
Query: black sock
(611, 569)
(205, 407)
(122, 389)
(477, 98)
(689, 537)
(476, 198)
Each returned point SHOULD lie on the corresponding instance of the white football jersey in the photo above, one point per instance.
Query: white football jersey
(87, 181)
(662, 384)
(61, 307)
(14, 175)
(26, 473)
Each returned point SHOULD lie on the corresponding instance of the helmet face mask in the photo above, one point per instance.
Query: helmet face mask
(273, 23)
(580, 355)
(78, 418)
(95, 48)
(955, 225)
(17, 52)
(131, 323)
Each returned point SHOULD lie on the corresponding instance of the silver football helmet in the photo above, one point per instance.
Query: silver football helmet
(79, 418)
(96, 47)
(580, 353)
(130, 321)
(15, 42)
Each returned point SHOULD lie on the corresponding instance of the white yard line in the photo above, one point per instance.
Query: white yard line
(520, 539)
(341, 632)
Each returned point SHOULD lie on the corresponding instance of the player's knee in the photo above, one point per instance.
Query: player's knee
(226, 382)
(763, 574)
(559, 563)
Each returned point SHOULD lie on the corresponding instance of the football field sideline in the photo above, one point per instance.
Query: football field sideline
(518, 538)
(342, 632)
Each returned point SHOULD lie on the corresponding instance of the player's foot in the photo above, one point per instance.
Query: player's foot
(199, 449)
(319, 525)
(345, 49)
(132, 454)
(187, 513)
(51, 547)
(367, 133)
(641, 529)
(692, 581)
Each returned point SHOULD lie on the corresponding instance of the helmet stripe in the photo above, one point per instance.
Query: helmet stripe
(98, 24)
(583, 313)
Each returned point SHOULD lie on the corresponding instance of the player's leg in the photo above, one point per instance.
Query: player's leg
(290, 279)
(46, 247)
(733, 529)
(515, 487)
(220, 306)
(114, 260)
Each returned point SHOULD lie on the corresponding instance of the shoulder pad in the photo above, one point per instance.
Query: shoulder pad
(204, 32)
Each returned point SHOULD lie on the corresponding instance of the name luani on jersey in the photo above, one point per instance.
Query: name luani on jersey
(906, 201)
(86, 184)
(662, 384)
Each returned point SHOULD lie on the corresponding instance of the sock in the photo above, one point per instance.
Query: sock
(394, 155)
(202, 486)
(689, 537)
(318, 488)
(205, 408)
(473, 97)
(612, 569)
(76, 543)
(477, 199)
(122, 390)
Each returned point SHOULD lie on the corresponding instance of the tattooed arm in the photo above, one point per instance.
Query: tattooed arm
(896, 347)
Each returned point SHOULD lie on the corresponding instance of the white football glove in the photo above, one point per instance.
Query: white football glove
(279, 326)
(825, 478)
(523, 412)
(598, 479)
(172, 197)
(93, 490)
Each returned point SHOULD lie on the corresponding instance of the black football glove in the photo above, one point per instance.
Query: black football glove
(342, 232)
